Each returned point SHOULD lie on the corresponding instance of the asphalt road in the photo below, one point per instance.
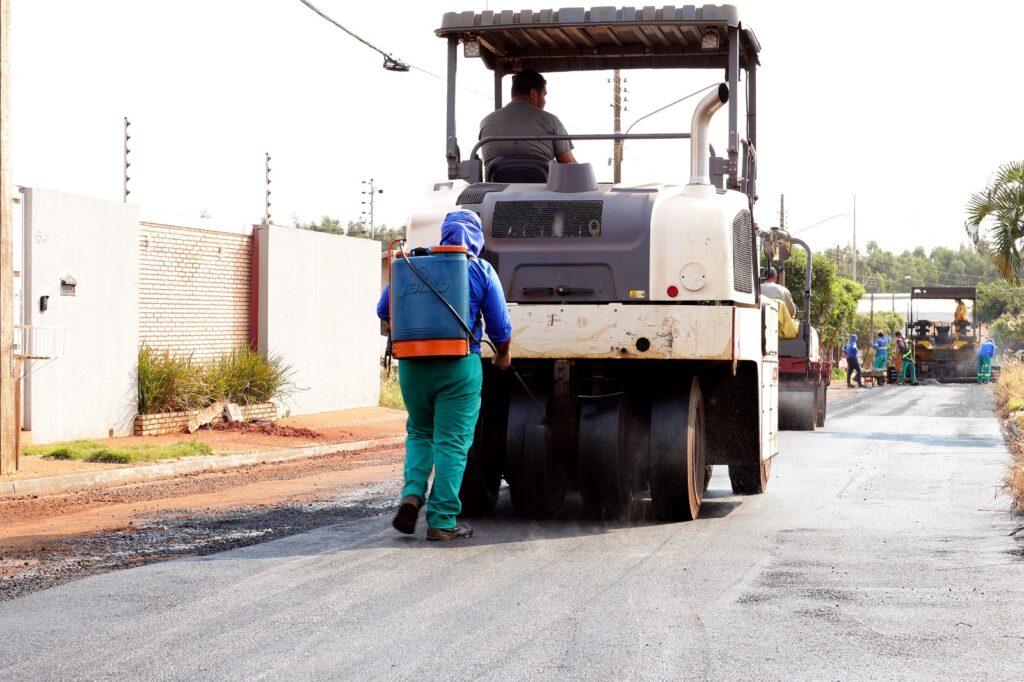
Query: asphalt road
(881, 551)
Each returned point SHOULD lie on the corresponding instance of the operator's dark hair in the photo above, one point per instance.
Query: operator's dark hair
(527, 80)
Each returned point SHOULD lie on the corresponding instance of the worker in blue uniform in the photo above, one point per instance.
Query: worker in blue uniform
(852, 354)
(985, 355)
(442, 395)
(881, 346)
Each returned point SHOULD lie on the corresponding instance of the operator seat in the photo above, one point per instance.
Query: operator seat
(517, 169)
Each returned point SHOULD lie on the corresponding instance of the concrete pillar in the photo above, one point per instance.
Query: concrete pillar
(8, 424)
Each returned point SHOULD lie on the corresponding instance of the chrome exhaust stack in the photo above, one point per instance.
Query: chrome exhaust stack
(700, 150)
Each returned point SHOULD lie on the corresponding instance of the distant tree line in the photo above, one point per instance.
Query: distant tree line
(892, 272)
(381, 233)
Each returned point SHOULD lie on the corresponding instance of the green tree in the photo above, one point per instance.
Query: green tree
(995, 220)
(833, 299)
(997, 299)
(1008, 332)
(326, 224)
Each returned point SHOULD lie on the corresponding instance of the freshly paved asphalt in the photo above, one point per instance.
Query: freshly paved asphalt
(881, 551)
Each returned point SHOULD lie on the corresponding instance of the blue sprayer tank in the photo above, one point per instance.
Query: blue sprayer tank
(421, 324)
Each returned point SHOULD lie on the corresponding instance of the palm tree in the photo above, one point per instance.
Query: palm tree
(995, 221)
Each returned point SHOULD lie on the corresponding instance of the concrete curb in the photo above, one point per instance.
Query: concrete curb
(193, 465)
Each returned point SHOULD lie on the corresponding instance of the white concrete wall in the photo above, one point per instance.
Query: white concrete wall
(90, 392)
(317, 300)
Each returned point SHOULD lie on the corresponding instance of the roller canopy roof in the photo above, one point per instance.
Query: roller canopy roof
(577, 39)
(969, 293)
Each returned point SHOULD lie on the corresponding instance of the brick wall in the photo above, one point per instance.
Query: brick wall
(193, 290)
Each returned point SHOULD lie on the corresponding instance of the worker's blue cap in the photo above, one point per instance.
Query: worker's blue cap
(768, 272)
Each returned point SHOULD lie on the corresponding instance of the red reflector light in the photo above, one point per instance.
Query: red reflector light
(673, 291)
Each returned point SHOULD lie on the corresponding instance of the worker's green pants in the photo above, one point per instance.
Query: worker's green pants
(908, 364)
(984, 370)
(879, 362)
(442, 396)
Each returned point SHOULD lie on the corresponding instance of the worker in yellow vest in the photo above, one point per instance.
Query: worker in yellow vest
(905, 351)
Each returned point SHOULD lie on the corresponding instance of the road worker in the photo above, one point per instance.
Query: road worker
(985, 355)
(960, 314)
(960, 320)
(442, 395)
(905, 353)
(852, 354)
(881, 346)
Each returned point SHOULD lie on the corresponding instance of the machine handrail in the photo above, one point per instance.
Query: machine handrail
(807, 287)
(589, 136)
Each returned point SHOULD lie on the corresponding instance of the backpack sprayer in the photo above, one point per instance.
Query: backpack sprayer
(418, 327)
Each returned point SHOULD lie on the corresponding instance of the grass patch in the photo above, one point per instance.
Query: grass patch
(168, 383)
(390, 391)
(91, 451)
(1009, 393)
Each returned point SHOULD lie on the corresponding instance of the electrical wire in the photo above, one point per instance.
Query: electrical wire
(671, 104)
(390, 63)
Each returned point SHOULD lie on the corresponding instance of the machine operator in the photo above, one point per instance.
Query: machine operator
(525, 115)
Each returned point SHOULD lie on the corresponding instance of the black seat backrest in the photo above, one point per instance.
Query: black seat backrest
(517, 169)
(794, 348)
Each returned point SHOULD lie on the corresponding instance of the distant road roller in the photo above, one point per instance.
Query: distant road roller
(645, 354)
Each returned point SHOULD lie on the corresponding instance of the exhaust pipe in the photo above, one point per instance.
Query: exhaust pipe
(699, 149)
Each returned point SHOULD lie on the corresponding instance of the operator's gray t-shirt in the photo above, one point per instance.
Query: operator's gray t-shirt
(522, 118)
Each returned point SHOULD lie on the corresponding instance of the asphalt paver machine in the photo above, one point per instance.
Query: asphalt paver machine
(645, 354)
(946, 350)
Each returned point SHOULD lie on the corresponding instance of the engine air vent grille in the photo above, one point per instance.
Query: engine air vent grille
(542, 219)
(742, 258)
(476, 192)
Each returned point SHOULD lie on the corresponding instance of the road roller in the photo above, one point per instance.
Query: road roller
(643, 353)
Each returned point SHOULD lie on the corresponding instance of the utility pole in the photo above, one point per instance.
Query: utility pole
(266, 186)
(127, 163)
(8, 420)
(782, 226)
(371, 191)
(617, 126)
(854, 278)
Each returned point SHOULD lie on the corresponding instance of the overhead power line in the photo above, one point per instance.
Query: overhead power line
(390, 63)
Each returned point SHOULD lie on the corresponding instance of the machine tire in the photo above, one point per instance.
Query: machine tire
(481, 481)
(822, 405)
(535, 474)
(613, 444)
(678, 472)
(750, 479)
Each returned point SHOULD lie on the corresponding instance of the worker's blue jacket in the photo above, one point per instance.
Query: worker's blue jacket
(881, 346)
(987, 350)
(462, 228)
(850, 349)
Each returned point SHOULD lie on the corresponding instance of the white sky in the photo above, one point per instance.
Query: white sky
(910, 105)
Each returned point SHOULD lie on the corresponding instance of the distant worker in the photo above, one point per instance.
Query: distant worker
(881, 346)
(852, 354)
(960, 314)
(788, 326)
(905, 354)
(960, 319)
(525, 115)
(442, 395)
(985, 355)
